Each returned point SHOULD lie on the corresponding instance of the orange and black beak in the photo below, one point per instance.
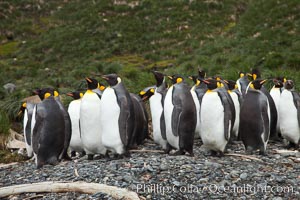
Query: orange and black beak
(70, 94)
(88, 80)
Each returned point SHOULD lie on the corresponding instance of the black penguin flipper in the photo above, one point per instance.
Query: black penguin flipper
(68, 129)
(296, 99)
(200, 94)
(266, 121)
(125, 128)
(240, 97)
(79, 128)
(39, 121)
(162, 117)
(163, 126)
(273, 112)
(227, 114)
(176, 115)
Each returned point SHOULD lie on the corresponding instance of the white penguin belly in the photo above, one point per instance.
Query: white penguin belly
(28, 147)
(109, 119)
(289, 126)
(212, 122)
(74, 112)
(156, 112)
(168, 109)
(275, 94)
(236, 103)
(197, 104)
(90, 124)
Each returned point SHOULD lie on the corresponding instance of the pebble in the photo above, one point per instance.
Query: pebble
(243, 176)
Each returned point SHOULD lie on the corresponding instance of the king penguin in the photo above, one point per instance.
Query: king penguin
(117, 116)
(275, 93)
(27, 109)
(90, 126)
(68, 130)
(255, 74)
(254, 126)
(74, 112)
(215, 118)
(180, 116)
(289, 112)
(48, 131)
(156, 108)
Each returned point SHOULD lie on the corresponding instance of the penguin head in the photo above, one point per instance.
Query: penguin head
(112, 79)
(92, 83)
(220, 82)
(22, 109)
(201, 73)
(257, 83)
(211, 83)
(46, 92)
(289, 85)
(255, 74)
(231, 84)
(75, 95)
(278, 83)
(176, 78)
(147, 92)
(241, 74)
(159, 77)
(194, 79)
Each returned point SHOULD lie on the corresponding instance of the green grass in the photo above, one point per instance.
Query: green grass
(58, 43)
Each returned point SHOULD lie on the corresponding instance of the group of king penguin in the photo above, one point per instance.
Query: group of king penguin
(221, 111)
(111, 119)
(102, 120)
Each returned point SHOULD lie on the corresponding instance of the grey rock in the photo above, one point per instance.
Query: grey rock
(244, 176)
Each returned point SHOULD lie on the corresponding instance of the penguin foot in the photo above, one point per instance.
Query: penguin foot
(127, 154)
(66, 156)
(262, 152)
(249, 150)
(292, 146)
(73, 154)
(213, 153)
(168, 149)
(276, 139)
(82, 154)
(179, 153)
(217, 153)
(90, 157)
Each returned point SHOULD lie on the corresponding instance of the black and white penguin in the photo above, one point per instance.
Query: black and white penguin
(275, 93)
(289, 112)
(236, 97)
(255, 74)
(74, 112)
(90, 126)
(254, 126)
(27, 110)
(46, 92)
(215, 118)
(155, 94)
(242, 83)
(140, 131)
(157, 114)
(48, 131)
(180, 116)
(117, 116)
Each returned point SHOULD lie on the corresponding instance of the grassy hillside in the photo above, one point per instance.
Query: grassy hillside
(58, 43)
